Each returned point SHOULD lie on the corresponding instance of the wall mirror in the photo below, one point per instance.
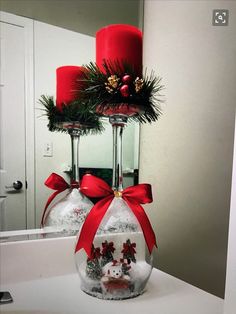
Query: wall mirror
(36, 38)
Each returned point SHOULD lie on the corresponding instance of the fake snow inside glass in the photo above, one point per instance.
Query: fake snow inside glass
(69, 213)
(110, 254)
(120, 265)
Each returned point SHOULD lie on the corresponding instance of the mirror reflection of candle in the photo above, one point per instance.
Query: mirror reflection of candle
(67, 78)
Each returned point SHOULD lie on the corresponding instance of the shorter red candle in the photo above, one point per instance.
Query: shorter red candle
(67, 84)
(120, 42)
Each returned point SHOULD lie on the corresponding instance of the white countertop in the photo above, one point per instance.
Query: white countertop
(61, 294)
(42, 279)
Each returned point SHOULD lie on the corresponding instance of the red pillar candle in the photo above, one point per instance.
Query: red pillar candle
(120, 42)
(67, 84)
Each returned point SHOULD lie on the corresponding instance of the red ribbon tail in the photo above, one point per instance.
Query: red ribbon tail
(91, 224)
(45, 212)
(145, 224)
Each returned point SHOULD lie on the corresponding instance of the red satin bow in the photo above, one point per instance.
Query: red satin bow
(56, 182)
(92, 186)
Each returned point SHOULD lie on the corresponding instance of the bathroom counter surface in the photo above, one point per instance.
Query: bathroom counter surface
(165, 294)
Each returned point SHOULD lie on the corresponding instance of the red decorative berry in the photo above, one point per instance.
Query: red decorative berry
(126, 79)
(124, 90)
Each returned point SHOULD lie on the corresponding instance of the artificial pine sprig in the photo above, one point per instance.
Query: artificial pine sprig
(117, 84)
(76, 111)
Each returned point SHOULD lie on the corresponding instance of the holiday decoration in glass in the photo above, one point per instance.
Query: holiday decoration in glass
(114, 247)
(73, 117)
(116, 232)
(69, 213)
(115, 84)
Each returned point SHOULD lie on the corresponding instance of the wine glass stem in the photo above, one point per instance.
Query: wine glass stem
(75, 137)
(118, 124)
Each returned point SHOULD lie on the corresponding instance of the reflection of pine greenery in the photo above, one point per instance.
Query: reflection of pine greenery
(93, 269)
(130, 253)
(119, 227)
(73, 112)
(125, 269)
(106, 260)
(147, 99)
(106, 257)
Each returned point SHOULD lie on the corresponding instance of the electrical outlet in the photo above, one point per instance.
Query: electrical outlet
(48, 149)
(220, 17)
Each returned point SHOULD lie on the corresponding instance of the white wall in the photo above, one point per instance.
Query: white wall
(230, 289)
(55, 47)
(187, 155)
(83, 16)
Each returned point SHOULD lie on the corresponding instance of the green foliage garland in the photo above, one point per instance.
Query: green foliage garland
(74, 112)
(104, 90)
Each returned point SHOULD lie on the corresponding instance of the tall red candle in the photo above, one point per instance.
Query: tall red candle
(120, 42)
(67, 84)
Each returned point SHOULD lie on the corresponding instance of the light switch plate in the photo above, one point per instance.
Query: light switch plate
(48, 149)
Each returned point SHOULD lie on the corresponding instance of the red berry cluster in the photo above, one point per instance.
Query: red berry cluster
(124, 89)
